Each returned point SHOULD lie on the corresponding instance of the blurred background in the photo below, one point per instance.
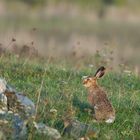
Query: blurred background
(80, 32)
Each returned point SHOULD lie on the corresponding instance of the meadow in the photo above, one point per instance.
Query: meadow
(59, 87)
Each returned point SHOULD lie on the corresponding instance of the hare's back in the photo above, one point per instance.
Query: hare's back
(102, 102)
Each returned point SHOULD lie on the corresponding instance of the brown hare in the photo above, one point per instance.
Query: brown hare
(98, 98)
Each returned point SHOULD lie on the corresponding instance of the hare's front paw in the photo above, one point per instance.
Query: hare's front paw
(94, 118)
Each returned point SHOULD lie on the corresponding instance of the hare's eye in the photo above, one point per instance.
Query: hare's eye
(86, 80)
(89, 79)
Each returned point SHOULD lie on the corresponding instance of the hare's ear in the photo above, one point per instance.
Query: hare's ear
(100, 72)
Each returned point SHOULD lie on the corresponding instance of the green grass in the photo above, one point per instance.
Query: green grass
(62, 88)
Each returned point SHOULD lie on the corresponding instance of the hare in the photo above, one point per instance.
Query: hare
(98, 99)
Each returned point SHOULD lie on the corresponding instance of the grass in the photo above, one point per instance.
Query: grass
(60, 87)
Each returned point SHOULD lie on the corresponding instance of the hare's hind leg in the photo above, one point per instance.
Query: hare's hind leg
(99, 116)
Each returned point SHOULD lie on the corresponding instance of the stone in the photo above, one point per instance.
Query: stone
(3, 84)
(16, 112)
(48, 131)
(79, 130)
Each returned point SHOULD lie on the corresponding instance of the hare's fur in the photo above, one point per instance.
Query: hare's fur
(98, 99)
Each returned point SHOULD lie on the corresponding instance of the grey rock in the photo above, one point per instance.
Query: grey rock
(27, 104)
(16, 111)
(3, 104)
(48, 131)
(77, 129)
(3, 84)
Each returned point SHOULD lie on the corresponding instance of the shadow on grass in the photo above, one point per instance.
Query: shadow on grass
(82, 106)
